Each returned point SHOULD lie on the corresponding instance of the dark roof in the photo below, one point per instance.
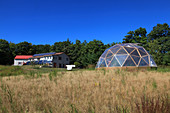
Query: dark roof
(43, 54)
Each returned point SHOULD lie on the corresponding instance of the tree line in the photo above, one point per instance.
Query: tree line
(83, 54)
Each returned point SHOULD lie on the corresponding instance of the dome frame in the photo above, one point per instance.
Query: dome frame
(126, 55)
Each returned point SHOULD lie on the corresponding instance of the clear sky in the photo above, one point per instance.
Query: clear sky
(49, 21)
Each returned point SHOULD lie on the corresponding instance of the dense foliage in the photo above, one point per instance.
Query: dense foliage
(157, 42)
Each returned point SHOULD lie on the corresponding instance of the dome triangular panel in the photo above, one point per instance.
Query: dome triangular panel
(108, 60)
(136, 59)
(114, 50)
(104, 54)
(152, 62)
(121, 58)
(103, 64)
(114, 63)
(121, 51)
(135, 53)
(146, 59)
(129, 49)
(129, 62)
(143, 63)
(142, 52)
(109, 54)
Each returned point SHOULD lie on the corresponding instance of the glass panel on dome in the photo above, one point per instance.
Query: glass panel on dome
(104, 54)
(143, 63)
(97, 65)
(122, 44)
(146, 59)
(109, 54)
(114, 50)
(141, 52)
(136, 59)
(116, 46)
(121, 58)
(103, 64)
(100, 61)
(121, 51)
(131, 45)
(136, 46)
(114, 63)
(129, 62)
(152, 63)
(128, 49)
(135, 53)
(108, 60)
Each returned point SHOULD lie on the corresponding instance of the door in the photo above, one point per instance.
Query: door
(55, 65)
(59, 65)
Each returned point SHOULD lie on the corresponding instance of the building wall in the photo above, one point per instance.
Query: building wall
(20, 62)
(48, 58)
(60, 61)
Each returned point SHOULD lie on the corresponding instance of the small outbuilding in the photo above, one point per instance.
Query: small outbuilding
(20, 60)
(127, 55)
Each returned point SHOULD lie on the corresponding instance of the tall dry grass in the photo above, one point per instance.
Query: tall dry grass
(96, 91)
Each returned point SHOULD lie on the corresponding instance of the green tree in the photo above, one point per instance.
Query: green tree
(137, 36)
(61, 46)
(4, 52)
(91, 52)
(41, 48)
(159, 43)
(24, 48)
(12, 47)
(129, 38)
(161, 30)
(76, 52)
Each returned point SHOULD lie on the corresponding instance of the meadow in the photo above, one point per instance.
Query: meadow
(30, 89)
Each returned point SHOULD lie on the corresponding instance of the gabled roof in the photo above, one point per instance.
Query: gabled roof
(23, 56)
(59, 53)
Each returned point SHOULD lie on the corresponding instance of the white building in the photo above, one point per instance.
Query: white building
(21, 59)
(59, 60)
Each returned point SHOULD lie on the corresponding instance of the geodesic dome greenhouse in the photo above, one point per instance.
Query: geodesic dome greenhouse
(126, 55)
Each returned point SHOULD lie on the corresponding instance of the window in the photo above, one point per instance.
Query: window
(19, 62)
(59, 58)
(66, 59)
(59, 65)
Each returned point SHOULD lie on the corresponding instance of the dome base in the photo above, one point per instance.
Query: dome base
(129, 68)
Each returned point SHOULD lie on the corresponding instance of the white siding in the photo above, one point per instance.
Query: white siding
(20, 62)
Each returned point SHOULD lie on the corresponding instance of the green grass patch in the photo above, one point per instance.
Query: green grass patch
(161, 69)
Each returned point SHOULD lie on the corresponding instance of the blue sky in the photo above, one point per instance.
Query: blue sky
(49, 21)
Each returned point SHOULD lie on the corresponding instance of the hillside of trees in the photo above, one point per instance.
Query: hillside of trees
(82, 54)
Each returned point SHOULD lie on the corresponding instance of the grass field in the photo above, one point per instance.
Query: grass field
(49, 90)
